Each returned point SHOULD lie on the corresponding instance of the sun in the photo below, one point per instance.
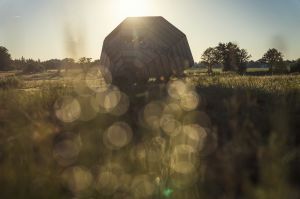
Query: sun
(132, 8)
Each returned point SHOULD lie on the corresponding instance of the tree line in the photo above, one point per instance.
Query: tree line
(34, 66)
(229, 56)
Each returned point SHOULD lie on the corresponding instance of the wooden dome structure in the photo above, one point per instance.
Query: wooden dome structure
(141, 48)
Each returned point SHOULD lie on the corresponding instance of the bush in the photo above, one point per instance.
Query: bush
(33, 67)
(295, 67)
(9, 82)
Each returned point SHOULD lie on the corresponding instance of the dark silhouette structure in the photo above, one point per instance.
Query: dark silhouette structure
(141, 48)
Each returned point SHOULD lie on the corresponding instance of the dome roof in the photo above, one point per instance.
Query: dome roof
(146, 47)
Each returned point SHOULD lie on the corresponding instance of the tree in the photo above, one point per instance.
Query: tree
(5, 59)
(19, 63)
(210, 57)
(232, 57)
(32, 66)
(274, 58)
(85, 63)
(68, 63)
(243, 58)
(52, 64)
(295, 66)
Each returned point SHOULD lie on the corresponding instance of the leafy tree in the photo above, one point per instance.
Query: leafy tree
(68, 63)
(52, 64)
(19, 63)
(32, 66)
(210, 57)
(85, 63)
(295, 67)
(5, 59)
(274, 58)
(85, 60)
(96, 62)
(232, 57)
(243, 58)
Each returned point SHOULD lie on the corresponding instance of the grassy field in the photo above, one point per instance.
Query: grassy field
(219, 70)
(219, 136)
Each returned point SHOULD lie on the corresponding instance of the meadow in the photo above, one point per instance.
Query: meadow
(203, 136)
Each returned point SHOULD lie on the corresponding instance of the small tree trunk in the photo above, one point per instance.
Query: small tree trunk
(271, 69)
(209, 69)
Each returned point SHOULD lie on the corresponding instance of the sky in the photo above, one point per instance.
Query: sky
(45, 29)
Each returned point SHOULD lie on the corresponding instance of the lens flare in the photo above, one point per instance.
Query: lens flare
(87, 111)
(170, 125)
(117, 136)
(67, 149)
(80, 86)
(77, 179)
(67, 109)
(189, 101)
(194, 135)
(142, 187)
(177, 89)
(107, 183)
(174, 109)
(98, 78)
(122, 106)
(152, 114)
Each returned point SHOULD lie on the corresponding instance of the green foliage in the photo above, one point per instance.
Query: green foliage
(295, 67)
(32, 66)
(5, 59)
(52, 64)
(210, 58)
(275, 59)
(229, 55)
(232, 57)
(10, 82)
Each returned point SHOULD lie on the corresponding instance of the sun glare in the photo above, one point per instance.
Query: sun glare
(131, 8)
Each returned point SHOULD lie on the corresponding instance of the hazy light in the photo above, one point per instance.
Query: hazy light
(189, 101)
(111, 101)
(79, 84)
(87, 111)
(131, 8)
(98, 78)
(183, 167)
(152, 114)
(173, 109)
(168, 192)
(67, 149)
(67, 109)
(177, 89)
(142, 186)
(78, 179)
(117, 136)
(138, 153)
(194, 135)
(122, 106)
(107, 183)
(125, 181)
(170, 125)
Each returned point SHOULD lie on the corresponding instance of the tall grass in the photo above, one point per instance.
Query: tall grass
(256, 155)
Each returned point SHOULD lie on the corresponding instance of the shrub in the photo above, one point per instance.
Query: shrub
(295, 67)
(33, 67)
(10, 82)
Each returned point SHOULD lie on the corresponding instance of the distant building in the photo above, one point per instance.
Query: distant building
(143, 48)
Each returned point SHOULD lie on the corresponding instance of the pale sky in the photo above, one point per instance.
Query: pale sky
(48, 29)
